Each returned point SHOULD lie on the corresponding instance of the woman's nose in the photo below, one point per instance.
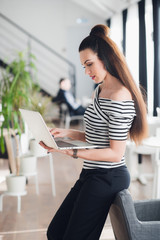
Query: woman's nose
(87, 71)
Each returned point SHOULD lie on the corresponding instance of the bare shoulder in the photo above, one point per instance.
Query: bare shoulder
(122, 94)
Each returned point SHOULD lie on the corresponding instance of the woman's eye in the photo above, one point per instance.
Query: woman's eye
(88, 65)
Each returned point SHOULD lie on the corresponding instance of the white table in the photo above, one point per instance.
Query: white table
(154, 142)
(133, 152)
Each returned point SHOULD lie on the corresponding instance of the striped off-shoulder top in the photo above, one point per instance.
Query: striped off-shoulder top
(106, 120)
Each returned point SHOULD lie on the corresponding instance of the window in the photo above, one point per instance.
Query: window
(150, 54)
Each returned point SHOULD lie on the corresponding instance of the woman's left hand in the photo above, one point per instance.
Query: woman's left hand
(49, 149)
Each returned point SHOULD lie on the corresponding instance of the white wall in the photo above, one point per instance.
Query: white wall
(54, 23)
(74, 36)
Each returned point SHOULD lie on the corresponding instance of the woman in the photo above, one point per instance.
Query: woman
(117, 112)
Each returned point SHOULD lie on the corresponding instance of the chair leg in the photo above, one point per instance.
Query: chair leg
(156, 180)
(141, 177)
(67, 122)
(52, 175)
(1, 202)
(155, 183)
(62, 122)
(18, 204)
(36, 184)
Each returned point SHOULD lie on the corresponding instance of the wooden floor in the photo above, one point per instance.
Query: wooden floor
(38, 210)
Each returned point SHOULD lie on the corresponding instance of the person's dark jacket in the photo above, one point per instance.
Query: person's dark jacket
(67, 97)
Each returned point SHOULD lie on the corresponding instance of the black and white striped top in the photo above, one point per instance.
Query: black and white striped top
(107, 120)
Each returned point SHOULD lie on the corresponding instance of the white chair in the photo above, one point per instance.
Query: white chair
(28, 165)
(31, 153)
(38, 151)
(11, 148)
(66, 119)
(142, 151)
(18, 195)
(28, 168)
(134, 152)
(28, 162)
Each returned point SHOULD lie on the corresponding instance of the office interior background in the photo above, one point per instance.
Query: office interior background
(53, 29)
(61, 25)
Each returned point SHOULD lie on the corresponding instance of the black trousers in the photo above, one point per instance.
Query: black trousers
(83, 213)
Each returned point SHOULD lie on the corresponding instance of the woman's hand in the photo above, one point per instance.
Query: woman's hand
(70, 133)
(49, 149)
(60, 132)
(56, 132)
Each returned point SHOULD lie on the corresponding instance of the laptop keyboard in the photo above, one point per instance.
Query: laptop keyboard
(64, 144)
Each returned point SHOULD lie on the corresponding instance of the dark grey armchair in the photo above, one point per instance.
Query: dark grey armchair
(138, 220)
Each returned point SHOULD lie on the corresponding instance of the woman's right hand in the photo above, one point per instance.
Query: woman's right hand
(70, 133)
(60, 132)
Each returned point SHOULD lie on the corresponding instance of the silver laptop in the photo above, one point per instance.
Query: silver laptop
(40, 131)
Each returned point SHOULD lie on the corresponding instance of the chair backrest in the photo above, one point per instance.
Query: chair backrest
(121, 212)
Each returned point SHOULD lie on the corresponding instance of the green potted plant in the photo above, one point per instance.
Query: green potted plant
(15, 88)
(39, 102)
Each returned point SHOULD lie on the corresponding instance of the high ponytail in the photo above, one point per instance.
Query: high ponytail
(101, 31)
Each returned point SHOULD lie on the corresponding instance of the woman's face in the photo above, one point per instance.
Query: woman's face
(94, 67)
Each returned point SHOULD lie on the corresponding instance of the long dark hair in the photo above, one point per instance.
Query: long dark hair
(114, 61)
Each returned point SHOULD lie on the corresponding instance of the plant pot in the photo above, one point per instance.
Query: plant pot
(36, 149)
(16, 184)
(28, 164)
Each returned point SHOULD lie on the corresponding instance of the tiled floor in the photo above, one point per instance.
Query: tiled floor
(37, 210)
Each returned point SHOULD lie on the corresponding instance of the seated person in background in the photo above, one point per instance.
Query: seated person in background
(64, 95)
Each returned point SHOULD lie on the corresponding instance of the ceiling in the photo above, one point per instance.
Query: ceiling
(105, 8)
